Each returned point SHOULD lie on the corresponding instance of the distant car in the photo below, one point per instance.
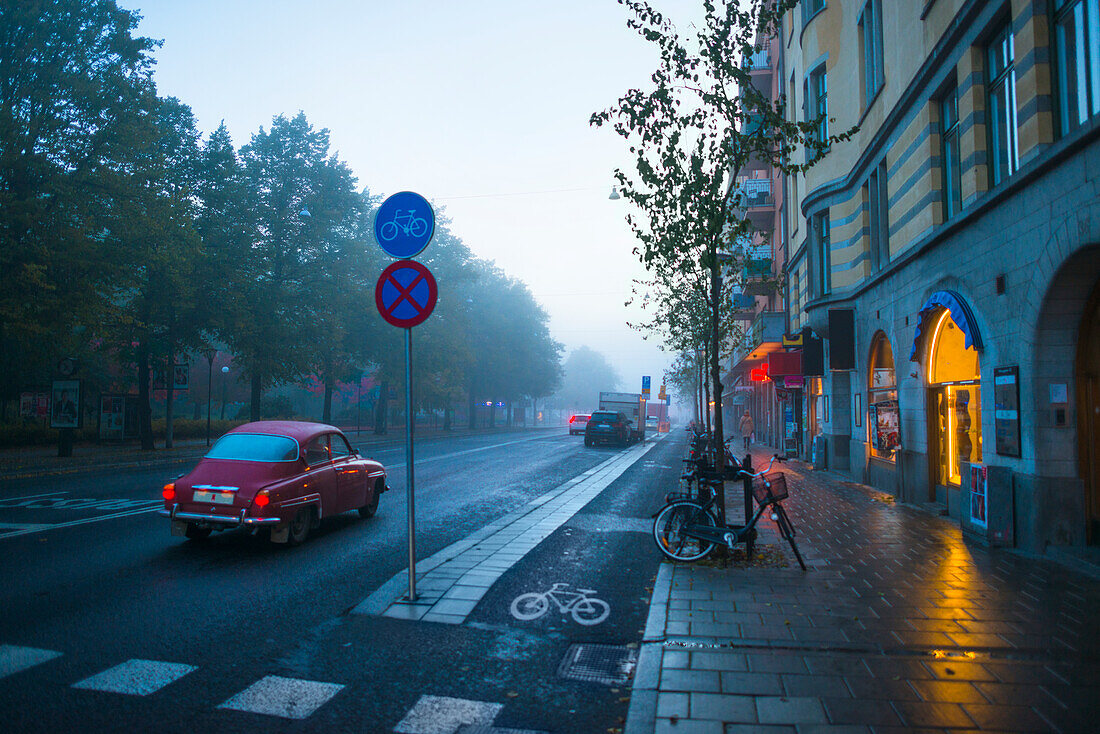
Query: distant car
(282, 475)
(652, 424)
(606, 426)
(578, 422)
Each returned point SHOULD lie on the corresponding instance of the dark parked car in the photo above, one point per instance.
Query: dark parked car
(606, 426)
(282, 475)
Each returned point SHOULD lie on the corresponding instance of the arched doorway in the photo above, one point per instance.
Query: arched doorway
(1088, 411)
(954, 401)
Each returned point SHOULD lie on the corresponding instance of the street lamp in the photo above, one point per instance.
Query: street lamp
(225, 371)
(209, 354)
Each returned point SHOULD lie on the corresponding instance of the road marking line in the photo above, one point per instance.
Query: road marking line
(481, 558)
(71, 523)
(444, 715)
(31, 496)
(14, 658)
(136, 677)
(290, 698)
(464, 452)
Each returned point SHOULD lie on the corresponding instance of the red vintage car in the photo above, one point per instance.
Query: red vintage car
(282, 475)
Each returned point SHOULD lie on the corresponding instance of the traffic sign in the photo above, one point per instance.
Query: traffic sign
(645, 385)
(404, 224)
(405, 294)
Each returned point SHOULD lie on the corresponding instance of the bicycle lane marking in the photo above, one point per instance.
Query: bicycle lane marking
(454, 580)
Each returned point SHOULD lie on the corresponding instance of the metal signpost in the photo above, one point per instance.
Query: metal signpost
(405, 296)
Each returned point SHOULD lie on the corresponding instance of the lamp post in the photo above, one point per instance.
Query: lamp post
(225, 371)
(209, 354)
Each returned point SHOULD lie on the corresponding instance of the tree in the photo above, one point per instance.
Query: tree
(692, 135)
(586, 373)
(75, 85)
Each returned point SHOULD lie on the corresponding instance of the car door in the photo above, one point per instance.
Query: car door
(351, 476)
(320, 477)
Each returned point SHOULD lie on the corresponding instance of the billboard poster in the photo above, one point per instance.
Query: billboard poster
(885, 422)
(112, 417)
(978, 482)
(66, 404)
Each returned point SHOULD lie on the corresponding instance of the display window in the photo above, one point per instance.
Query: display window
(954, 379)
(883, 417)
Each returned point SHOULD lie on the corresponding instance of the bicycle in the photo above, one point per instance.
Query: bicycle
(586, 610)
(688, 530)
(409, 223)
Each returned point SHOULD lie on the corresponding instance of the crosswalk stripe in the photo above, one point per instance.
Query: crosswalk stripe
(444, 715)
(136, 677)
(290, 698)
(14, 658)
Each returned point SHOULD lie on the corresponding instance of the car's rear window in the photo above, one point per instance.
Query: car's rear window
(254, 447)
(605, 417)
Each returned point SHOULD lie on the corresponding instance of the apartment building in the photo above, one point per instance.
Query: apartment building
(949, 255)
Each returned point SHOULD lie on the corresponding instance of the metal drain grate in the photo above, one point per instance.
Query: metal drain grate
(611, 665)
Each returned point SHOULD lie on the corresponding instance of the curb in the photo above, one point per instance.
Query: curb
(641, 717)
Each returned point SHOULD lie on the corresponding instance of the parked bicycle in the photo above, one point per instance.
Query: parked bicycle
(408, 223)
(586, 609)
(688, 530)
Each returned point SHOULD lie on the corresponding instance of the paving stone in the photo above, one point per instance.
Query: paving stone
(752, 684)
(951, 670)
(673, 704)
(691, 680)
(1006, 718)
(687, 726)
(820, 686)
(869, 713)
(723, 707)
(719, 661)
(776, 663)
(940, 715)
(794, 710)
(947, 692)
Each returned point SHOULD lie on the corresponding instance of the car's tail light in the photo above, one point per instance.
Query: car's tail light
(169, 491)
(573, 419)
(262, 499)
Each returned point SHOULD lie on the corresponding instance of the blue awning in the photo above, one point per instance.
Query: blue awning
(960, 314)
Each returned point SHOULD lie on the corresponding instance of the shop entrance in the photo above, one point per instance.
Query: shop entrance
(1088, 411)
(954, 403)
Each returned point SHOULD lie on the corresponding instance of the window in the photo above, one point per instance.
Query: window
(878, 209)
(949, 139)
(1001, 79)
(254, 447)
(954, 376)
(317, 451)
(810, 8)
(870, 37)
(817, 103)
(882, 400)
(819, 228)
(1077, 56)
(339, 446)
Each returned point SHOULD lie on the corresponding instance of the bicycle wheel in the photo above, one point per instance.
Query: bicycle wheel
(591, 611)
(669, 531)
(786, 529)
(418, 227)
(530, 606)
(388, 231)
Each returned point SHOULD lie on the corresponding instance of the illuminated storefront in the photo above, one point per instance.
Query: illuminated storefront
(954, 382)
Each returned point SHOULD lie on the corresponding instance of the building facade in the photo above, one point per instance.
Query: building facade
(949, 254)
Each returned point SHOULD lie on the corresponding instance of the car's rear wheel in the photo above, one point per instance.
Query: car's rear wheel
(299, 527)
(371, 507)
(587, 441)
(194, 532)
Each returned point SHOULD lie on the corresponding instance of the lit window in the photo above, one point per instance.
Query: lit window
(1001, 78)
(883, 423)
(1077, 54)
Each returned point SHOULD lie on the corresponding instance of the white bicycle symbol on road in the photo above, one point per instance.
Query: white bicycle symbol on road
(586, 610)
(409, 223)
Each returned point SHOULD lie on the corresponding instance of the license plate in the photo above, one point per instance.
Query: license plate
(218, 498)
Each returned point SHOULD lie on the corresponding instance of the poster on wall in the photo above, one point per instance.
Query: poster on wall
(978, 478)
(885, 421)
(112, 417)
(1006, 407)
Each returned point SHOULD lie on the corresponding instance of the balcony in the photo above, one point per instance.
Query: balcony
(759, 62)
(764, 335)
(744, 306)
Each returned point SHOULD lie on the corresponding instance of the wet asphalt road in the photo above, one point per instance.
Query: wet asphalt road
(237, 609)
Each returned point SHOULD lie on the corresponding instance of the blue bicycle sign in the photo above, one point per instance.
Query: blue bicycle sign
(404, 224)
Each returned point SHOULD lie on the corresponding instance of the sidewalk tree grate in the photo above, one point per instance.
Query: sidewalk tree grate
(611, 665)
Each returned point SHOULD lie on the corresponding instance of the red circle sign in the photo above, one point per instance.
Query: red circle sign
(405, 294)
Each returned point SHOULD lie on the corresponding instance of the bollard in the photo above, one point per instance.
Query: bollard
(750, 538)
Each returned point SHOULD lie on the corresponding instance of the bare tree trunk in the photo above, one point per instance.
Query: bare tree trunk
(170, 393)
(257, 392)
(326, 411)
(716, 376)
(145, 413)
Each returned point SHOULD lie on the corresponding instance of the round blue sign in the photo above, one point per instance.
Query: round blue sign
(404, 224)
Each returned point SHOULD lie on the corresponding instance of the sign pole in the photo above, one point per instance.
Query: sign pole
(409, 484)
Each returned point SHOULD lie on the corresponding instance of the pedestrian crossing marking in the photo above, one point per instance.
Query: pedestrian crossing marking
(14, 658)
(136, 677)
(444, 715)
(290, 698)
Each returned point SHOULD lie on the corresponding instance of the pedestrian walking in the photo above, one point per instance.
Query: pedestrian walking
(747, 427)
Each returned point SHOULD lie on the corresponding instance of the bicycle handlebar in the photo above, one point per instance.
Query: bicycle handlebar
(775, 458)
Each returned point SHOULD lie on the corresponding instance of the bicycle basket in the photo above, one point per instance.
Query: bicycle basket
(773, 493)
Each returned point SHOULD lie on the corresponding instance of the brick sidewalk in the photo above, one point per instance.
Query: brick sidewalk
(898, 625)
